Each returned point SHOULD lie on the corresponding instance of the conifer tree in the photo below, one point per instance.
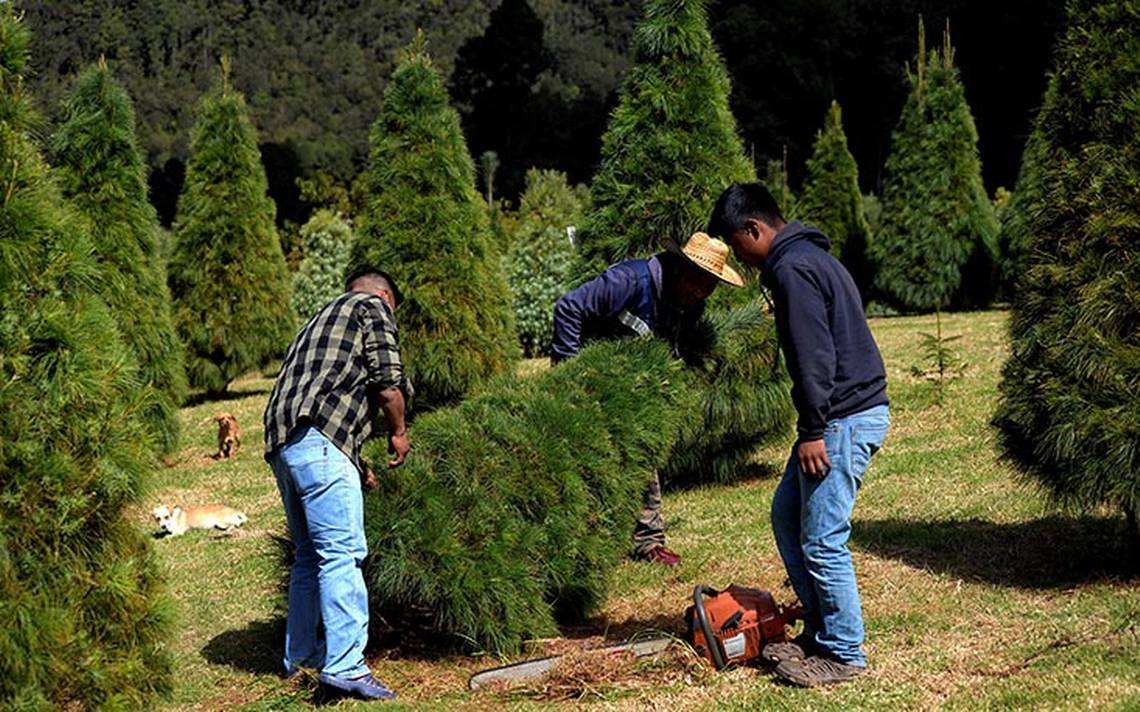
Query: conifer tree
(518, 506)
(84, 615)
(776, 180)
(1069, 413)
(671, 146)
(938, 244)
(227, 274)
(831, 199)
(426, 225)
(102, 172)
(327, 243)
(542, 254)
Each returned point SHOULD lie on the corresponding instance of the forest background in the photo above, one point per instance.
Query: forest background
(537, 86)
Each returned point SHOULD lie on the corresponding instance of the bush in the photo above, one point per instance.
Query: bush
(103, 174)
(1069, 414)
(938, 243)
(831, 199)
(84, 614)
(227, 274)
(542, 255)
(428, 228)
(517, 504)
(327, 239)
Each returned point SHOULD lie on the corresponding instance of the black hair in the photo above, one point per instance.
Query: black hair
(370, 271)
(740, 202)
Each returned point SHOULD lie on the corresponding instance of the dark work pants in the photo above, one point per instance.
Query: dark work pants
(649, 526)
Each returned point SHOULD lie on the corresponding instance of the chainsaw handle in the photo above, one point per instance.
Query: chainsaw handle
(699, 594)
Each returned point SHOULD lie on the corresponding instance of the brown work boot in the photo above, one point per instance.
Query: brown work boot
(797, 648)
(817, 670)
(660, 554)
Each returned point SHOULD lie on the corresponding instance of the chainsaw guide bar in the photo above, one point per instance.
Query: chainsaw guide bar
(534, 669)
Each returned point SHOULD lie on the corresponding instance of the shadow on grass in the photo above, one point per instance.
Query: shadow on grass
(749, 472)
(256, 649)
(618, 631)
(1053, 552)
(197, 399)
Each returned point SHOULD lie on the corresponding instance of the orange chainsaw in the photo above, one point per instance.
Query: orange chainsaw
(735, 624)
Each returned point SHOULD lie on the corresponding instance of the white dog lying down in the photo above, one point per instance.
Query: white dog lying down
(176, 521)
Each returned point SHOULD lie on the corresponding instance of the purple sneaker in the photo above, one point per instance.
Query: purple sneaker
(365, 687)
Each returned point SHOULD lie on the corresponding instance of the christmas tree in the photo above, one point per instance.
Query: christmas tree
(227, 274)
(103, 174)
(831, 199)
(327, 243)
(542, 254)
(671, 146)
(85, 617)
(1069, 413)
(938, 244)
(426, 226)
(518, 503)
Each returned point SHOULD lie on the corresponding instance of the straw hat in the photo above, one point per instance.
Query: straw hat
(710, 254)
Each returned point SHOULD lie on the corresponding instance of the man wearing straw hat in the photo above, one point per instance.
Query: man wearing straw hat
(662, 295)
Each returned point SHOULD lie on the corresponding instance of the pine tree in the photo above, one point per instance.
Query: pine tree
(671, 146)
(831, 199)
(327, 239)
(227, 274)
(542, 254)
(428, 228)
(519, 503)
(102, 172)
(938, 244)
(85, 617)
(776, 180)
(1069, 413)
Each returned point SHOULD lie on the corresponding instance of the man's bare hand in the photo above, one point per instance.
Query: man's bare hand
(399, 446)
(813, 459)
(369, 480)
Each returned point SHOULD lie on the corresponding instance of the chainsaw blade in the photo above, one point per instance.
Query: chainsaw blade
(535, 669)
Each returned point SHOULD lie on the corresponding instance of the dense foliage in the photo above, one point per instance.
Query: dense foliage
(831, 199)
(227, 274)
(425, 225)
(314, 72)
(102, 172)
(938, 243)
(1070, 393)
(327, 243)
(517, 506)
(84, 615)
(671, 145)
(542, 254)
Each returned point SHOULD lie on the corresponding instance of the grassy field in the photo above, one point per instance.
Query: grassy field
(976, 593)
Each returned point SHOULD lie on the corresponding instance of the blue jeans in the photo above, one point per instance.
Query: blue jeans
(327, 623)
(811, 519)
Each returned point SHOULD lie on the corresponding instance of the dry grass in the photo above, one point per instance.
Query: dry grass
(976, 593)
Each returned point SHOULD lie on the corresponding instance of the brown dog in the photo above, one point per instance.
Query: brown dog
(229, 435)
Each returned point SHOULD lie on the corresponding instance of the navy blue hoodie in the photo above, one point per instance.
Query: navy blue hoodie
(835, 365)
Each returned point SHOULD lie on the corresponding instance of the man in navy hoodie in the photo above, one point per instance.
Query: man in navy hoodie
(839, 389)
(662, 295)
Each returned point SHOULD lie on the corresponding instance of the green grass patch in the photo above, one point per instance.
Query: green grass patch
(976, 593)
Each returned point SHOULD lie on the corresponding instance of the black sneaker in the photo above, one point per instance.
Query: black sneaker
(797, 648)
(817, 670)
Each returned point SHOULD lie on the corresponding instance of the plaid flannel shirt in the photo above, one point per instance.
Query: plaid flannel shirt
(335, 366)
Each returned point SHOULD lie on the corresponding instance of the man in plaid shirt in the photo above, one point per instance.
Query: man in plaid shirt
(340, 372)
